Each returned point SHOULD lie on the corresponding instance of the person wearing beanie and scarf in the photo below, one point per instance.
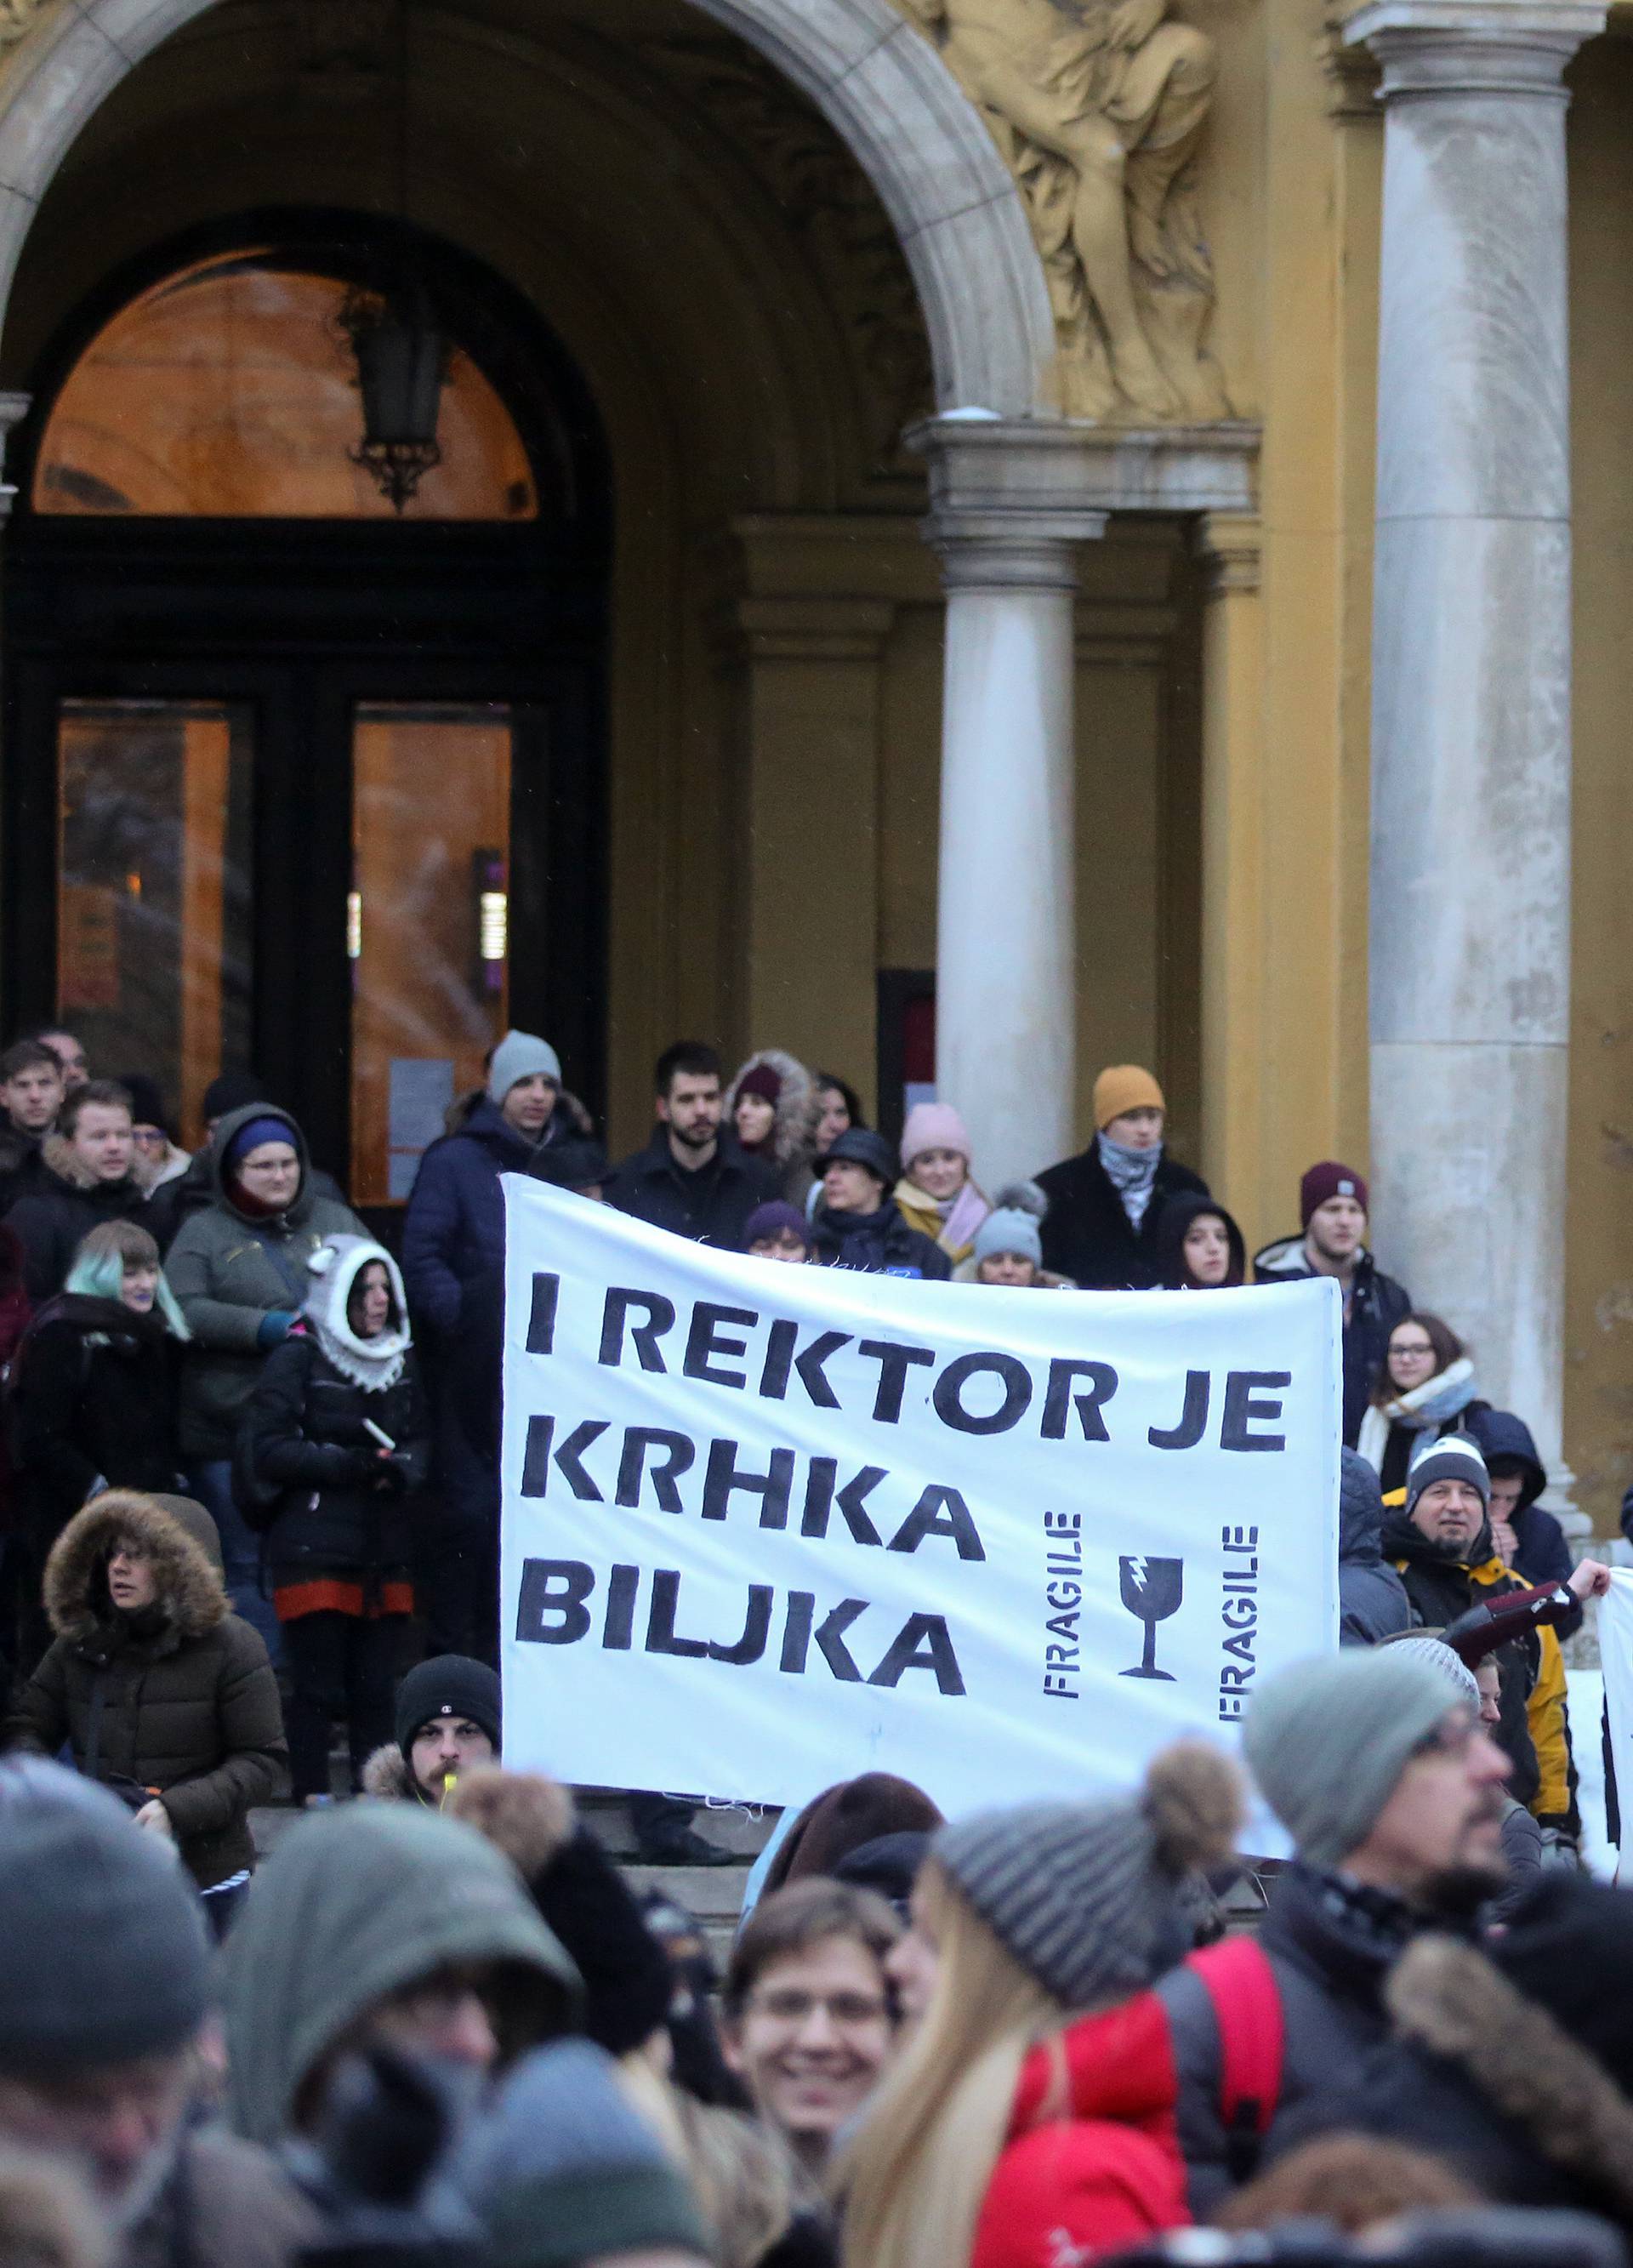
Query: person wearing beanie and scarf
(332, 1448)
(937, 1194)
(1426, 1387)
(1392, 1794)
(1030, 2117)
(1199, 1247)
(1437, 1534)
(1104, 1204)
(99, 2042)
(771, 1107)
(239, 1270)
(1332, 1241)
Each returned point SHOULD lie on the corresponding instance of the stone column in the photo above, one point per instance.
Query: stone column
(1006, 919)
(1470, 937)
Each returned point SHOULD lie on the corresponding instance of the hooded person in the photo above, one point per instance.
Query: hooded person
(379, 1923)
(937, 1194)
(193, 1191)
(1104, 1204)
(92, 1394)
(1540, 1551)
(238, 1268)
(1438, 1536)
(1372, 1604)
(1513, 2061)
(448, 1721)
(857, 1225)
(1393, 1795)
(98, 2043)
(155, 1686)
(998, 2138)
(333, 1449)
(1199, 1247)
(771, 1107)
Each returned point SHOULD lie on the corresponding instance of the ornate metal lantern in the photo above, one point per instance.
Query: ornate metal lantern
(402, 357)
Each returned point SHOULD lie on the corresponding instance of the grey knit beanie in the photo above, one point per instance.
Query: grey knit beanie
(109, 1961)
(1453, 1457)
(1328, 1739)
(1084, 1895)
(1430, 1647)
(519, 1055)
(1007, 1229)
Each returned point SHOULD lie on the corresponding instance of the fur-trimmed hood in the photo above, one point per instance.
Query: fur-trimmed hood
(528, 1817)
(386, 1777)
(58, 1156)
(191, 1597)
(794, 1129)
(1447, 1998)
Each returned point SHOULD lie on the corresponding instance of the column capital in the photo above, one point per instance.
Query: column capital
(1453, 47)
(1011, 550)
(1229, 545)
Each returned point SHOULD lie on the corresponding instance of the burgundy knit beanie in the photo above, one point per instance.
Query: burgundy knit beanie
(1327, 1181)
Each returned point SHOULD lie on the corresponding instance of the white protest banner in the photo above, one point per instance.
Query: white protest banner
(766, 1526)
(1615, 1656)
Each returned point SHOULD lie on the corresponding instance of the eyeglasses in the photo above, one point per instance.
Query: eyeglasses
(847, 2010)
(1450, 1738)
(1411, 1347)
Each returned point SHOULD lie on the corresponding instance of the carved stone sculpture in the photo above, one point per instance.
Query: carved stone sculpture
(1098, 106)
(16, 17)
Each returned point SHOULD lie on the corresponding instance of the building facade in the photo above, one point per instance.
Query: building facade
(1112, 521)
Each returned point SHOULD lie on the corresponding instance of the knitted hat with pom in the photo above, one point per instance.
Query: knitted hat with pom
(1014, 1223)
(1085, 1897)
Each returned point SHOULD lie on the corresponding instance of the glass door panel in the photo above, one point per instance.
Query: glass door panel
(427, 926)
(154, 907)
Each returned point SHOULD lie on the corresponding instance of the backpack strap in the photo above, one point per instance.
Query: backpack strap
(1240, 1982)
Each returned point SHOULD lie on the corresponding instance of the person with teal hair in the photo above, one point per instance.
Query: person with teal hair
(93, 1396)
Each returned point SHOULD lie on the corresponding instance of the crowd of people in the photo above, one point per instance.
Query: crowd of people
(249, 1499)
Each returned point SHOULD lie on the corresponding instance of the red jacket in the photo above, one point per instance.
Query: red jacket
(1092, 2163)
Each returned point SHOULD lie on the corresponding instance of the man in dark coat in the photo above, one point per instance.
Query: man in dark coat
(1105, 1204)
(693, 1177)
(31, 1095)
(1372, 1603)
(1540, 1552)
(858, 1225)
(452, 1246)
(1392, 1794)
(86, 1178)
(1332, 1241)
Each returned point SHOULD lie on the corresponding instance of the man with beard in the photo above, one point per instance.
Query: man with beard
(1437, 1534)
(1392, 1794)
(448, 1724)
(103, 1999)
(692, 1178)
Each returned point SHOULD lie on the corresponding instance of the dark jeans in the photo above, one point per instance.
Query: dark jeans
(342, 1668)
(456, 1585)
(241, 1552)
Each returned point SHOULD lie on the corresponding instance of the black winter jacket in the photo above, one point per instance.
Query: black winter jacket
(1330, 1955)
(1372, 1603)
(878, 1244)
(341, 1509)
(93, 1398)
(1088, 1236)
(1377, 1304)
(62, 1206)
(710, 1206)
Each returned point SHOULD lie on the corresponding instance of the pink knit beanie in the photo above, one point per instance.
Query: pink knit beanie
(933, 1126)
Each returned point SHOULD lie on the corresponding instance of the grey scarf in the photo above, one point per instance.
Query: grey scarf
(1131, 1173)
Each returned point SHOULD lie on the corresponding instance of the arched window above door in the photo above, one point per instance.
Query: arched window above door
(230, 390)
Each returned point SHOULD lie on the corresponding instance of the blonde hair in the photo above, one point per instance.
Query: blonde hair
(914, 2179)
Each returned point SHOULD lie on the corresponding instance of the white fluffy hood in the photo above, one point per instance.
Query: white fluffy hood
(334, 1267)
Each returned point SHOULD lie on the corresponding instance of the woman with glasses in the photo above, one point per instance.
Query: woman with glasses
(1426, 1389)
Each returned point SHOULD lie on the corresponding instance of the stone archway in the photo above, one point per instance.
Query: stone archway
(959, 218)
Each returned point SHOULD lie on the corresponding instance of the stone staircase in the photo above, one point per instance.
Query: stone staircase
(713, 1894)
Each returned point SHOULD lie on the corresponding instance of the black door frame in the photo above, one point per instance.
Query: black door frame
(305, 621)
